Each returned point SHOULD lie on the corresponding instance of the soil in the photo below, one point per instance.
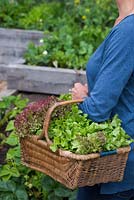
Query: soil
(34, 96)
(3, 85)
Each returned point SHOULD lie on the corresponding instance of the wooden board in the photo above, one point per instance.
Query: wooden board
(13, 43)
(6, 93)
(45, 80)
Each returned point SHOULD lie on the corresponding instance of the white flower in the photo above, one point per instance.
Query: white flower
(45, 52)
(55, 63)
(41, 40)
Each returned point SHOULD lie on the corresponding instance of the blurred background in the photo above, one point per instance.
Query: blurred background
(75, 28)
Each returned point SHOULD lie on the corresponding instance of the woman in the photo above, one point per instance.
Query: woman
(110, 78)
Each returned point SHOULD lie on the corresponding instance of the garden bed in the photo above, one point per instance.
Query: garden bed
(73, 39)
(13, 44)
(37, 79)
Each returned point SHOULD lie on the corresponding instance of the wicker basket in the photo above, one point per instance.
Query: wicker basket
(70, 169)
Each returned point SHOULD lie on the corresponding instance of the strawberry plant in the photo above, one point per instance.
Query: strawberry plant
(74, 35)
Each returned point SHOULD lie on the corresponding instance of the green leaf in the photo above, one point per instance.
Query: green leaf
(53, 147)
(48, 183)
(4, 170)
(14, 172)
(10, 126)
(7, 196)
(7, 186)
(116, 121)
(3, 105)
(73, 195)
(7, 172)
(62, 192)
(13, 153)
(52, 196)
(21, 193)
(12, 139)
(21, 103)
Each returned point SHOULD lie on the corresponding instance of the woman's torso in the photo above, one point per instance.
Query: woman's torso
(124, 108)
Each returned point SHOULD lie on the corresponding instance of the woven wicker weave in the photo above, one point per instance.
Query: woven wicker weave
(68, 168)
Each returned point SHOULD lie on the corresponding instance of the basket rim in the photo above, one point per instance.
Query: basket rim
(70, 155)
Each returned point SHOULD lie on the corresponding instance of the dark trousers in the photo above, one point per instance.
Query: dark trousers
(93, 193)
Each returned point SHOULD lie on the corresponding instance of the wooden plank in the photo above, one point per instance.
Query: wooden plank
(45, 80)
(11, 55)
(14, 42)
(18, 38)
(6, 93)
(12, 51)
(11, 59)
(3, 72)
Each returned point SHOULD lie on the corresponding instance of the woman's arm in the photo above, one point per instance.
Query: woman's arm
(79, 91)
(116, 69)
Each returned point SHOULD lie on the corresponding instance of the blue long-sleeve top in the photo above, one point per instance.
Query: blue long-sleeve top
(110, 78)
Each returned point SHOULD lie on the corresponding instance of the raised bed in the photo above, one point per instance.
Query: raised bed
(13, 43)
(7, 92)
(45, 80)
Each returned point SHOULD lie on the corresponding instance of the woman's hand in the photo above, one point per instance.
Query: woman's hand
(79, 91)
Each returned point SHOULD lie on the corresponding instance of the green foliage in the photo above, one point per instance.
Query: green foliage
(18, 182)
(73, 131)
(70, 129)
(76, 133)
(57, 191)
(12, 10)
(11, 106)
(11, 191)
(75, 28)
(63, 48)
(42, 17)
(74, 36)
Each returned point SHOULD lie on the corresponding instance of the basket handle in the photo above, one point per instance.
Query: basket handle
(48, 117)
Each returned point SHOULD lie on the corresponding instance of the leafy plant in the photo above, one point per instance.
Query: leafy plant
(63, 49)
(12, 10)
(9, 108)
(74, 28)
(33, 116)
(42, 17)
(71, 130)
(76, 133)
(74, 36)
(57, 191)
(17, 181)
